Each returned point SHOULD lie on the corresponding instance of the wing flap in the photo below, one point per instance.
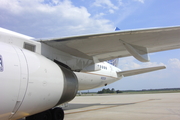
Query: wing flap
(140, 53)
(139, 71)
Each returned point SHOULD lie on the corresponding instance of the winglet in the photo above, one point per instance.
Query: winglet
(116, 29)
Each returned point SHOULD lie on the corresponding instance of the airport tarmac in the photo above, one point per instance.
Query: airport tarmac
(164, 106)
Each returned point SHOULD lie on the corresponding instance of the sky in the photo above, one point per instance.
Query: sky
(60, 18)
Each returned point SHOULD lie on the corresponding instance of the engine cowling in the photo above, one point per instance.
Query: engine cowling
(31, 83)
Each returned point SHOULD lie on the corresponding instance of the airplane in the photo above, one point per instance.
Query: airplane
(36, 75)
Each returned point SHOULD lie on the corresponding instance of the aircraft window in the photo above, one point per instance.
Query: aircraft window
(102, 67)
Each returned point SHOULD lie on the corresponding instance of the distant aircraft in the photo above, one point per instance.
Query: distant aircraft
(36, 75)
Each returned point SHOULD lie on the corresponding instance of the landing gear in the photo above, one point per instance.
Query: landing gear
(57, 114)
(54, 114)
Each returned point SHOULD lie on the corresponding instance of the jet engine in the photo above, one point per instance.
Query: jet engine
(32, 83)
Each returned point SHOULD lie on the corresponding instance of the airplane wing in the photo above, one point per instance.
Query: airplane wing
(139, 71)
(118, 44)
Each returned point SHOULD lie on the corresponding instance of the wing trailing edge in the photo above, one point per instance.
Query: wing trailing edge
(139, 71)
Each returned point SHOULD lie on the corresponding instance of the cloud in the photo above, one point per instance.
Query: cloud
(107, 4)
(99, 15)
(50, 18)
(126, 8)
(120, 3)
(141, 1)
(111, 11)
(57, 18)
(129, 63)
(12, 6)
(174, 63)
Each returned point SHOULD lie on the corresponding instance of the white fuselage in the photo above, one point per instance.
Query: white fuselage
(106, 75)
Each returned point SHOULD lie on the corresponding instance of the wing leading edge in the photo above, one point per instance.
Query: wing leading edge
(107, 46)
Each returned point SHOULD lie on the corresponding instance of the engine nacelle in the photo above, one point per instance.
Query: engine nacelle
(31, 83)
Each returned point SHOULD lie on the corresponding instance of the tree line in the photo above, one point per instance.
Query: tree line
(108, 91)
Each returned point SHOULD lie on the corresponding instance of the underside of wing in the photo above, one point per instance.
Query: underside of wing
(139, 71)
(106, 46)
